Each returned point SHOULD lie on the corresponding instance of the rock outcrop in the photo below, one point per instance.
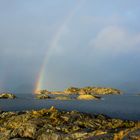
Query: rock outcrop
(7, 96)
(84, 91)
(92, 90)
(52, 124)
(86, 97)
(43, 96)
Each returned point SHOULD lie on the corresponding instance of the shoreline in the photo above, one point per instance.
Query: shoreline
(119, 106)
(54, 123)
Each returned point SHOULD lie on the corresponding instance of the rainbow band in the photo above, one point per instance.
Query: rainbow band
(53, 45)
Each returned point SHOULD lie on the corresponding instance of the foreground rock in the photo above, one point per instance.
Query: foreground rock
(7, 96)
(52, 124)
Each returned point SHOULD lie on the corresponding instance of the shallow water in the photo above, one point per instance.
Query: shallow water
(126, 106)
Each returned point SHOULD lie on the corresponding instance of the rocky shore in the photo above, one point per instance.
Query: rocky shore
(53, 124)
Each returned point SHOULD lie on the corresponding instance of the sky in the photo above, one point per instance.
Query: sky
(77, 42)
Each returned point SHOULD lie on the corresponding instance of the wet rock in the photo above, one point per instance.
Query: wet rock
(7, 96)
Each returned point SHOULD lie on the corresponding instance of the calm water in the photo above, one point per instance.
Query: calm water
(126, 106)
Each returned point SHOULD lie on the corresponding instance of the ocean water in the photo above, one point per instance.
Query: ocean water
(125, 106)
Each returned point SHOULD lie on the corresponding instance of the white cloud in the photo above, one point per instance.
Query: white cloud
(115, 39)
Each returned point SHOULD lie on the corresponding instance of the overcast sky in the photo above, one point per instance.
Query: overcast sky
(98, 46)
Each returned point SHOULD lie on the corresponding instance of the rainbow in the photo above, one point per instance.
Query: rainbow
(53, 45)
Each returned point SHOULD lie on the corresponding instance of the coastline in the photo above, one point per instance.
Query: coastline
(58, 124)
(55, 124)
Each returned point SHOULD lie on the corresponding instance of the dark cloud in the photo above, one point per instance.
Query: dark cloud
(99, 45)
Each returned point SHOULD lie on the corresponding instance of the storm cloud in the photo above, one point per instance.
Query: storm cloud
(99, 46)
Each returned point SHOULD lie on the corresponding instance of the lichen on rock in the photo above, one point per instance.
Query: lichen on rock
(54, 124)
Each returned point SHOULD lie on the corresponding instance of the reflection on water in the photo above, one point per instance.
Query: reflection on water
(119, 106)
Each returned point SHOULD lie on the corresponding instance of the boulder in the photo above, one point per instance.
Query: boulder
(7, 96)
(86, 97)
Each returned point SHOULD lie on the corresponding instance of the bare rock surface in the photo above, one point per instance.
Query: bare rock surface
(83, 91)
(92, 90)
(7, 96)
(52, 124)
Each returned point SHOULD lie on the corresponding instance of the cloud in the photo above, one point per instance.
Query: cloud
(101, 20)
(116, 40)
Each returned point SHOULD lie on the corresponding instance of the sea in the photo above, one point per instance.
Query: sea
(124, 106)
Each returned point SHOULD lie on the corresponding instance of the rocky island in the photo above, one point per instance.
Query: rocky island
(85, 93)
(92, 90)
(84, 90)
(7, 96)
(53, 124)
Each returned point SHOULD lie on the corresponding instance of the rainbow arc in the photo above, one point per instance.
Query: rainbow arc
(53, 45)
